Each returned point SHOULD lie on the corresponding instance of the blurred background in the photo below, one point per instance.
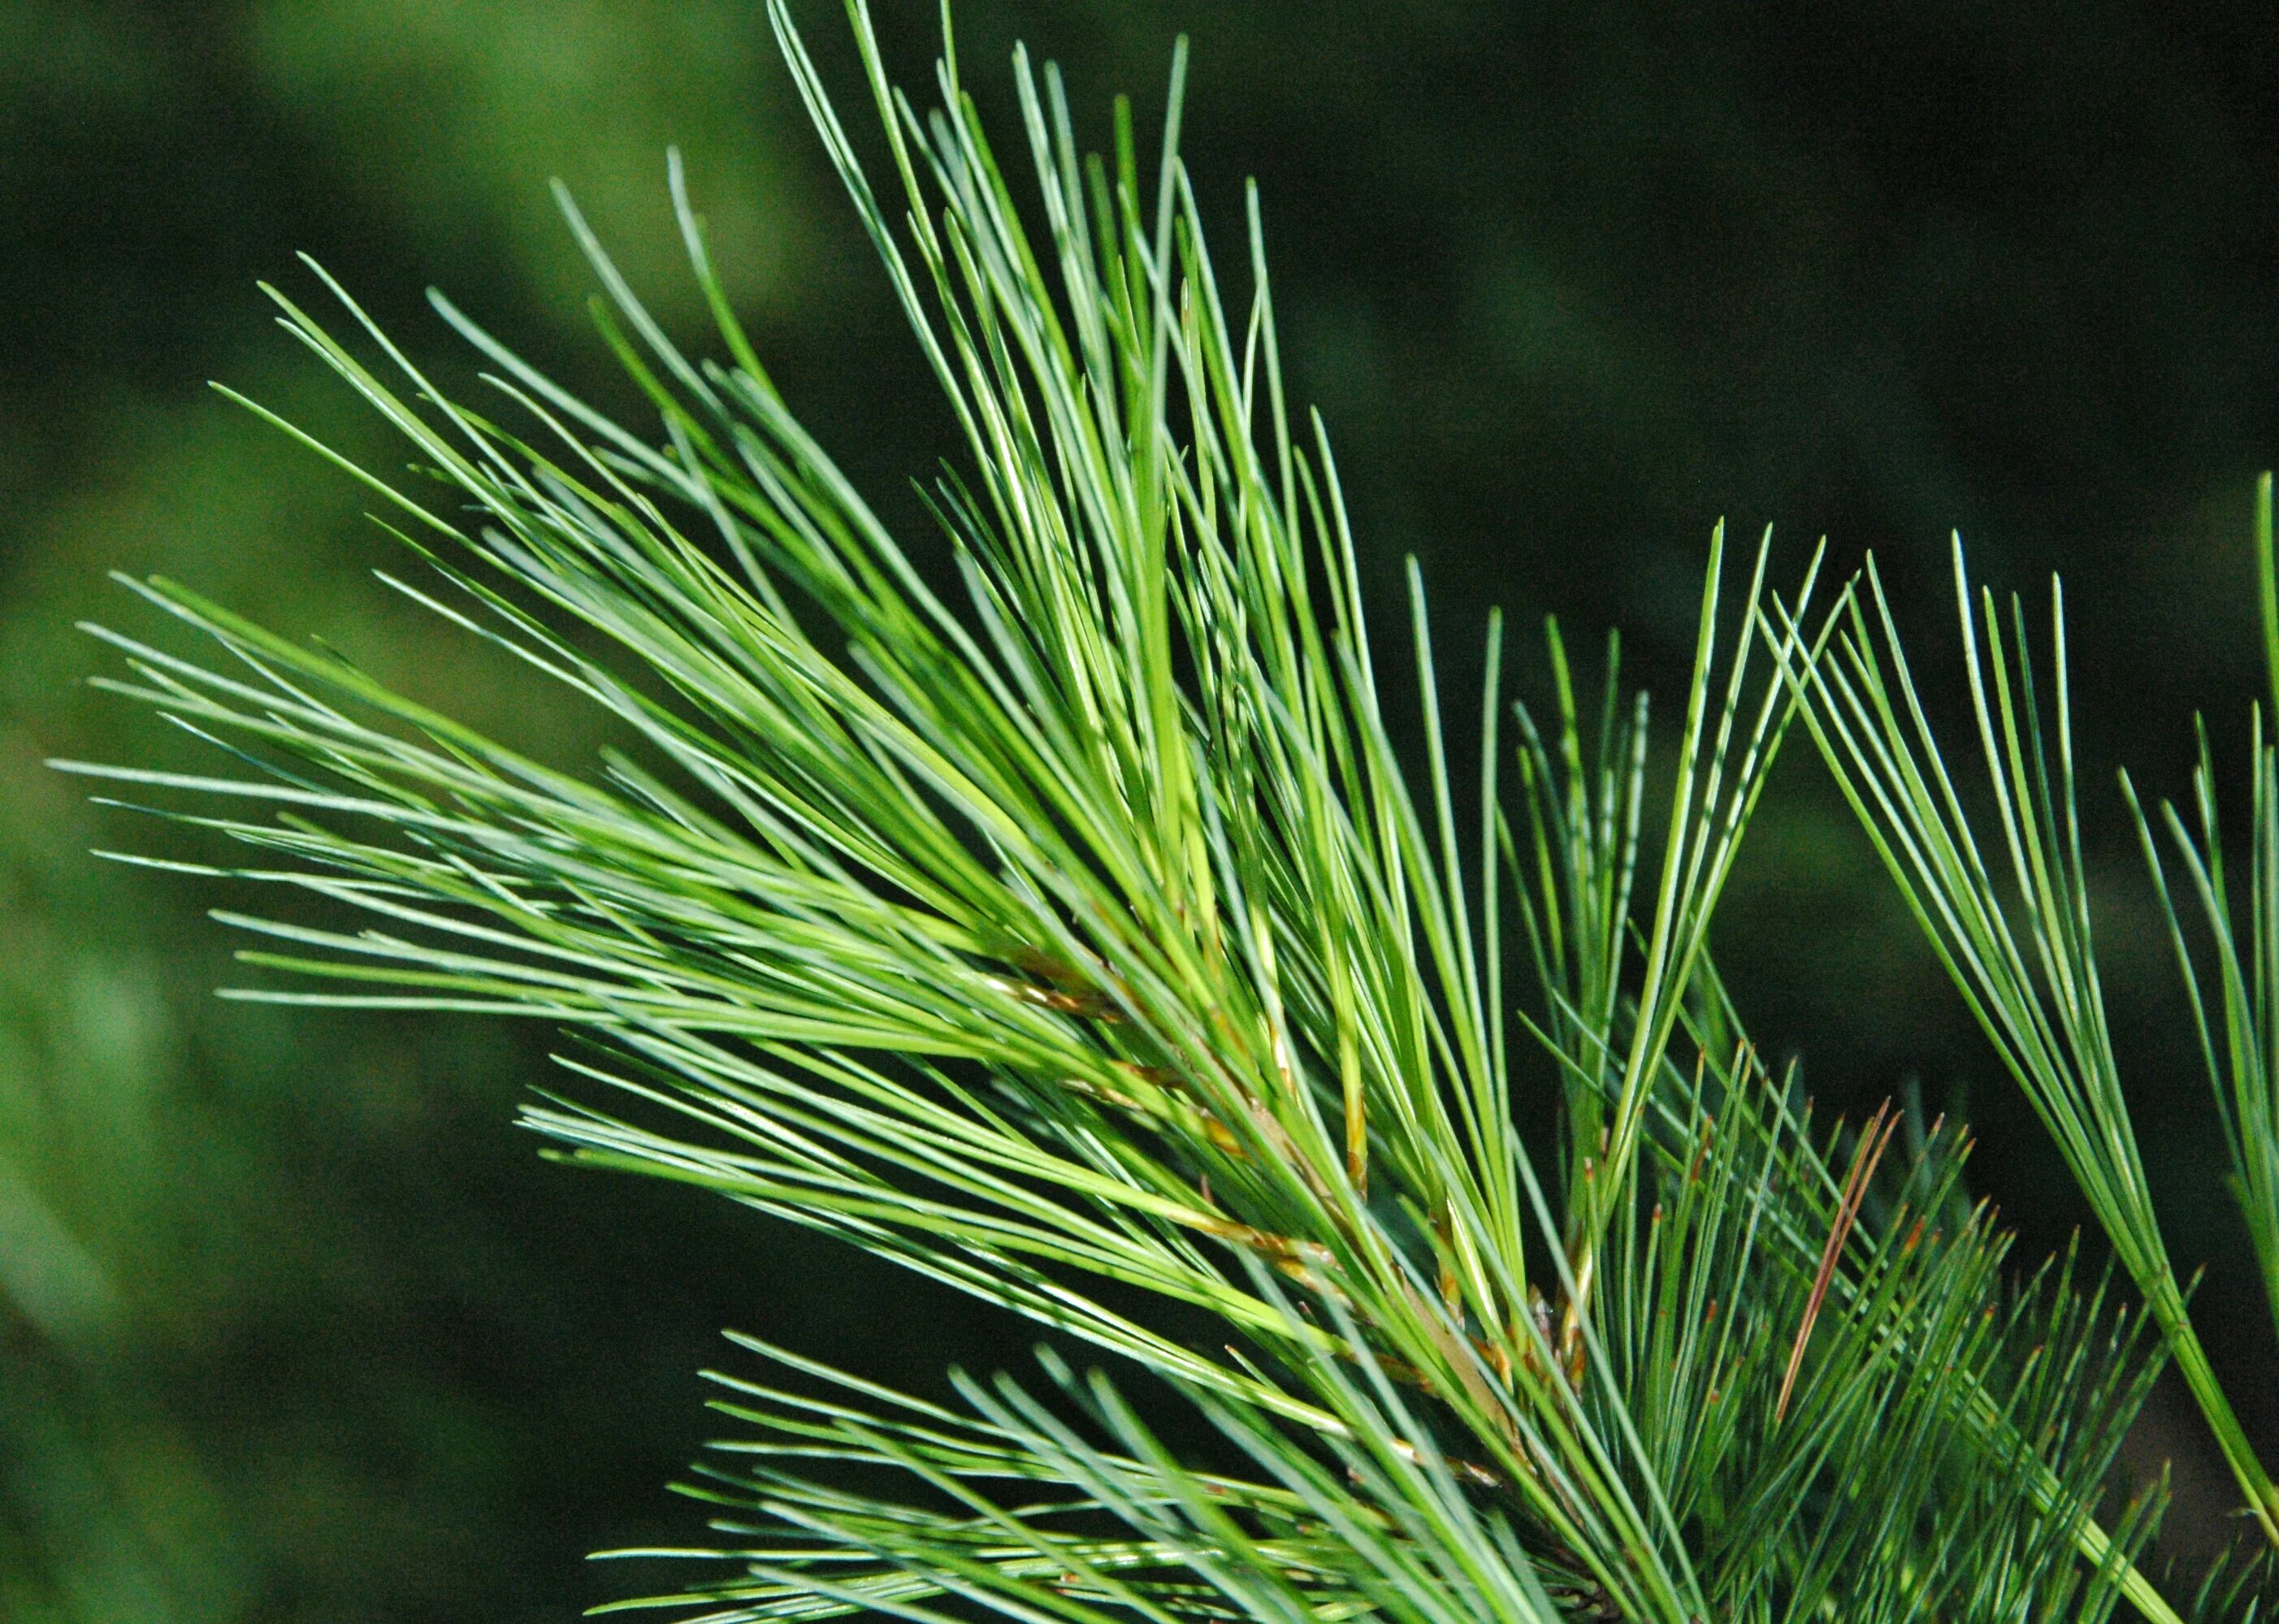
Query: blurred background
(294, 1325)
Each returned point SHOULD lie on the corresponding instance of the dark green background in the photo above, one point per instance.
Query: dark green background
(293, 1325)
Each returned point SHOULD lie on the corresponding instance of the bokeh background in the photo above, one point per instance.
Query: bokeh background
(293, 1325)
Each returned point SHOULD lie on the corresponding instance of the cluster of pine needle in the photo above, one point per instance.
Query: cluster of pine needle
(1081, 939)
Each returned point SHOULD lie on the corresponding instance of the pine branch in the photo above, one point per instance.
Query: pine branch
(2038, 997)
(1088, 945)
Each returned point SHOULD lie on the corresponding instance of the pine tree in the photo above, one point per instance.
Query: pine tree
(1083, 940)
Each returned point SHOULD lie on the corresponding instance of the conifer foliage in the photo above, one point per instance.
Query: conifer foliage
(1083, 940)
